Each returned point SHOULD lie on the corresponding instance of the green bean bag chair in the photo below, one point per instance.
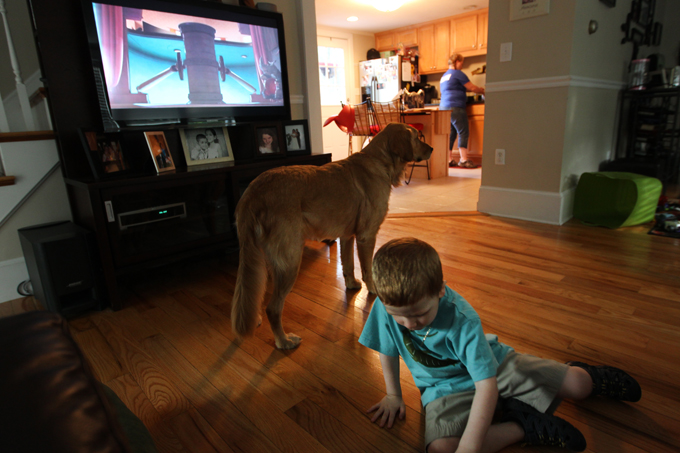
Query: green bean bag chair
(616, 199)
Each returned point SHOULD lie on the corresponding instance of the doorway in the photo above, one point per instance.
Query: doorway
(336, 79)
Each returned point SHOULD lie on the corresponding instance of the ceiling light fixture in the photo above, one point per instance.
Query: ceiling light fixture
(386, 5)
(352, 19)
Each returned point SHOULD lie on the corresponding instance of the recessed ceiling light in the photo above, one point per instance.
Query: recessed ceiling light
(469, 7)
(352, 19)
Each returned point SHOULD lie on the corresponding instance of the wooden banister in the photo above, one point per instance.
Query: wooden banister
(7, 180)
(26, 136)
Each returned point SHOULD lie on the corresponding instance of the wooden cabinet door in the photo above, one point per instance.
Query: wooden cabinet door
(441, 46)
(464, 34)
(426, 49)
(407, 37)
(482, 29)
(385, 41)
(476, 138)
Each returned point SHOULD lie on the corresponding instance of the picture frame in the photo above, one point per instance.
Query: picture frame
(268, 141)
(524, 9)
(104, 153)
(160, 152)
(296, 138)
(206, 145)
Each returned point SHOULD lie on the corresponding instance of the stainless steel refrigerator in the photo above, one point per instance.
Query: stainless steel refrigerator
(381, 79)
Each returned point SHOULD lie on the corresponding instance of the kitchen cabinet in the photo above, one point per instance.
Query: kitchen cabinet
(386, 41)
(408, 38)
(437, 40)
(482, 30)
(433, 47)
(390, 40)
(464, 34)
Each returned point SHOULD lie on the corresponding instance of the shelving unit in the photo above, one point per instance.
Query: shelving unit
(649, 134)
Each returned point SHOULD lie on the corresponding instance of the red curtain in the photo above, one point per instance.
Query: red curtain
(111, 32)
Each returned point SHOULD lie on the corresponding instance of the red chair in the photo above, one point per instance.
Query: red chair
(357, 121)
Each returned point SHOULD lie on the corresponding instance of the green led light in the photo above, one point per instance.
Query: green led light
(163, 212)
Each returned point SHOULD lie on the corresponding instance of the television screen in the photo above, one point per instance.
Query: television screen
(175, 60)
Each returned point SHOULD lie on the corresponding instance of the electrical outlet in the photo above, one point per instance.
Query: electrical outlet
(500, 157)
(506, 51)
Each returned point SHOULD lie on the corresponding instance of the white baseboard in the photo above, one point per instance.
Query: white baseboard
(543, 207)
(12, 272)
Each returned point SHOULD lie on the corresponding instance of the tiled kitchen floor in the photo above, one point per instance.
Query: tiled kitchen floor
(458, 192)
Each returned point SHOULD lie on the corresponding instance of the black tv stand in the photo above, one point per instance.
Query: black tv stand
(132, 239)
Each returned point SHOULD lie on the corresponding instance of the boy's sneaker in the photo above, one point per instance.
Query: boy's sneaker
(542, 429)
(612, 382)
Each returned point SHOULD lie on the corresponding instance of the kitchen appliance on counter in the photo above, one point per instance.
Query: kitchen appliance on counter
(382, 78)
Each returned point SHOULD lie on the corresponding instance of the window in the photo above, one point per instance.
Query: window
(332, 76)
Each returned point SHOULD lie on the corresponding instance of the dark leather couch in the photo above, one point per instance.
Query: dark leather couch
(49, 399)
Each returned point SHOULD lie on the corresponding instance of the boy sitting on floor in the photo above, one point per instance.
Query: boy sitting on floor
(461, 372)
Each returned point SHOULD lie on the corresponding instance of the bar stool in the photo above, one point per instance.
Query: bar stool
(357, 121)
(393, 112)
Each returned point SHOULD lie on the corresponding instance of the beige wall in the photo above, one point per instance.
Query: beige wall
(552, 135)
(48, 204)
(600, 55)
(22, 37)
(529, 125)
(541, 45)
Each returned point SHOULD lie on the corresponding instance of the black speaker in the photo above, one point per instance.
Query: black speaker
(61, 262)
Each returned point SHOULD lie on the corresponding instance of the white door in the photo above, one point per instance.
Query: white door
(335, 80)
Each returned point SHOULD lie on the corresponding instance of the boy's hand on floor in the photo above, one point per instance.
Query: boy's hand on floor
(389, 407)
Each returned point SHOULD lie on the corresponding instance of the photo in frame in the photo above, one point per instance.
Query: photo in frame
(160, 152)
(296, 137)
(104, 153)
(206, 145)
(268, 142)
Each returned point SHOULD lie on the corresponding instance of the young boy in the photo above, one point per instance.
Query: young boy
(460, 371)
(200, 151)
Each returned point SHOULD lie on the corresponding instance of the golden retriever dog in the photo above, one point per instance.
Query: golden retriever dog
(282, 207)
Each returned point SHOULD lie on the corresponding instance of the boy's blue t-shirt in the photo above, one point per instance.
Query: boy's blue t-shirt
(452, 88)
(454, 356)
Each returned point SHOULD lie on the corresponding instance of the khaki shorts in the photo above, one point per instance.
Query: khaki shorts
(530, 379)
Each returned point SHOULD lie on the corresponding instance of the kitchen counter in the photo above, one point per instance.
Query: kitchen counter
(436, 127)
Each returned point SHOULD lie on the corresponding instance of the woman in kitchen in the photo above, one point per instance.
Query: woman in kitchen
(454, 86)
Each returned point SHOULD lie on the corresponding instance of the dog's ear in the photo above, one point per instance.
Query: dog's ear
(401, 142)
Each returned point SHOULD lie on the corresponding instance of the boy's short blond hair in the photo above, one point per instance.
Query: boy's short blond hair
(405, 271)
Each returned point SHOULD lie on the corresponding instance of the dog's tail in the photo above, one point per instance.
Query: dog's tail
(251, 278)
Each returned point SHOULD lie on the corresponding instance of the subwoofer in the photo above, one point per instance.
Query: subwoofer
(63, 267)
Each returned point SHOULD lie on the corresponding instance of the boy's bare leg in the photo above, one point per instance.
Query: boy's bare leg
(577, 384)
(497, 437)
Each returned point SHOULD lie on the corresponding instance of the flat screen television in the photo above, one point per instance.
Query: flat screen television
(164, 61)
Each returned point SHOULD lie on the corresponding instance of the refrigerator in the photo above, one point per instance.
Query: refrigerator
(382, 78)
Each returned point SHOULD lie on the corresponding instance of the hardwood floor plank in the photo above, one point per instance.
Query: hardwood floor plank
(335, 436)
(160, 390)
(197, 434)
(134, 398)
(236, 429)
(246, 397)
(100, 356)
(570, 292)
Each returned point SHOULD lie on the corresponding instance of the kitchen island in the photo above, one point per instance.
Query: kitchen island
(436, 127)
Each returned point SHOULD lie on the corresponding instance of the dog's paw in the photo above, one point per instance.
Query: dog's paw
(290, 341)
(352, 283)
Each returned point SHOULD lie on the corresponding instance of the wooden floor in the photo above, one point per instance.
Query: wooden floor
(569, 292)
